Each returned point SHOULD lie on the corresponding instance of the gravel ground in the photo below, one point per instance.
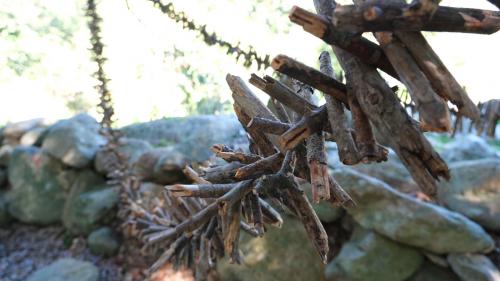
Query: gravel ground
(24, 249)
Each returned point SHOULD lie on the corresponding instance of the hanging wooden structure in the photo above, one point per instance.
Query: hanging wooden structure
(195, 224)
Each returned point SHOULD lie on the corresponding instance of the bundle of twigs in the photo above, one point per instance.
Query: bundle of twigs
(200, 222)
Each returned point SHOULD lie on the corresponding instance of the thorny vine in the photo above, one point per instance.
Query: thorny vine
(249, 56)
(105, 105)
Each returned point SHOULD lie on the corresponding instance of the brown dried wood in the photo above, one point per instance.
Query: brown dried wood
(433, 111)
(308, 75)
(439, 76)
(391, 16)
(322, 27)
(347, 150)
(229, 155)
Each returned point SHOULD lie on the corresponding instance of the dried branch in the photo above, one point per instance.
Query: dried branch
(321, 27)
(270, 164)
(308, 75)
(397, 16)
(433, 111)
(439, 76)
(200, 190)
(347, 150)
(283, 94)
(229, 155)
(268, 126)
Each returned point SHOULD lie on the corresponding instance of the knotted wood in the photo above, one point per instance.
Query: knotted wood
(384, 15)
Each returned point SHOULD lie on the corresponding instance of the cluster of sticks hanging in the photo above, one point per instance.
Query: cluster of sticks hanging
(199, 222)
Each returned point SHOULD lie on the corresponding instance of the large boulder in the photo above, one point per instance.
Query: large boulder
(5, 152)
(34, 137)
(469, 147)
(66, 269)
(13, 132)
(431, 272)
(408, 220)
(326, 211)
(74, 141)
(103, 242)
(474, 191)
(281, 255)
(370, 257)
(472, 267)
(38, 189)
(89, 202)
(130, 149)
(191, 136)
(161, 165)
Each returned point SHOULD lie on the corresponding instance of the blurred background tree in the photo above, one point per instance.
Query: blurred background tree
(158, 69)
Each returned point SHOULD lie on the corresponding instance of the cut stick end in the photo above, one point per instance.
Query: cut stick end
(178, 190)
(278, 62)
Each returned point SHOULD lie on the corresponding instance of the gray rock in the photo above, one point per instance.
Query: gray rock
(88, 203)
(281, 255)
(391, 172)
(370, 257)
(131, 149)
(5, 152)
(14, 131)
(5, 217)
(192, 136)
(474, 191)
(37, 194)
(408, 220)
(67, 269)
(432, 272)
(34, 137)
(74, 141)
(472, 267)
(469, 147)
(103, 242)
(161, 165)
(326, 212)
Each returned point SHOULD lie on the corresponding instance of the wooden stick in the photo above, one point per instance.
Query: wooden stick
(229, 155)
(348, 153)
(299, 204)
(268, 126)
(222, 174)
(280, 111)
(321, 27)
(305, 127)
(256, 212)
(231, 237)
(198, 219)
(269, 164)
(250, 104)
(193, 175)
(199, 190)
(283, 94)
(412, 147)
(439, 76)
(299, 71)
(495, 2)
(339, 196)
(391, 16)
(263, 144)
(368, 148)
(270, 215)
(316, 154)
(433, 111)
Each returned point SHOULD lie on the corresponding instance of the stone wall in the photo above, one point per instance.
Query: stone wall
(56, 174)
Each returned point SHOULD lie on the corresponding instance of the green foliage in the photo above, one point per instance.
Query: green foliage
(77, 103)
(207, 103)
